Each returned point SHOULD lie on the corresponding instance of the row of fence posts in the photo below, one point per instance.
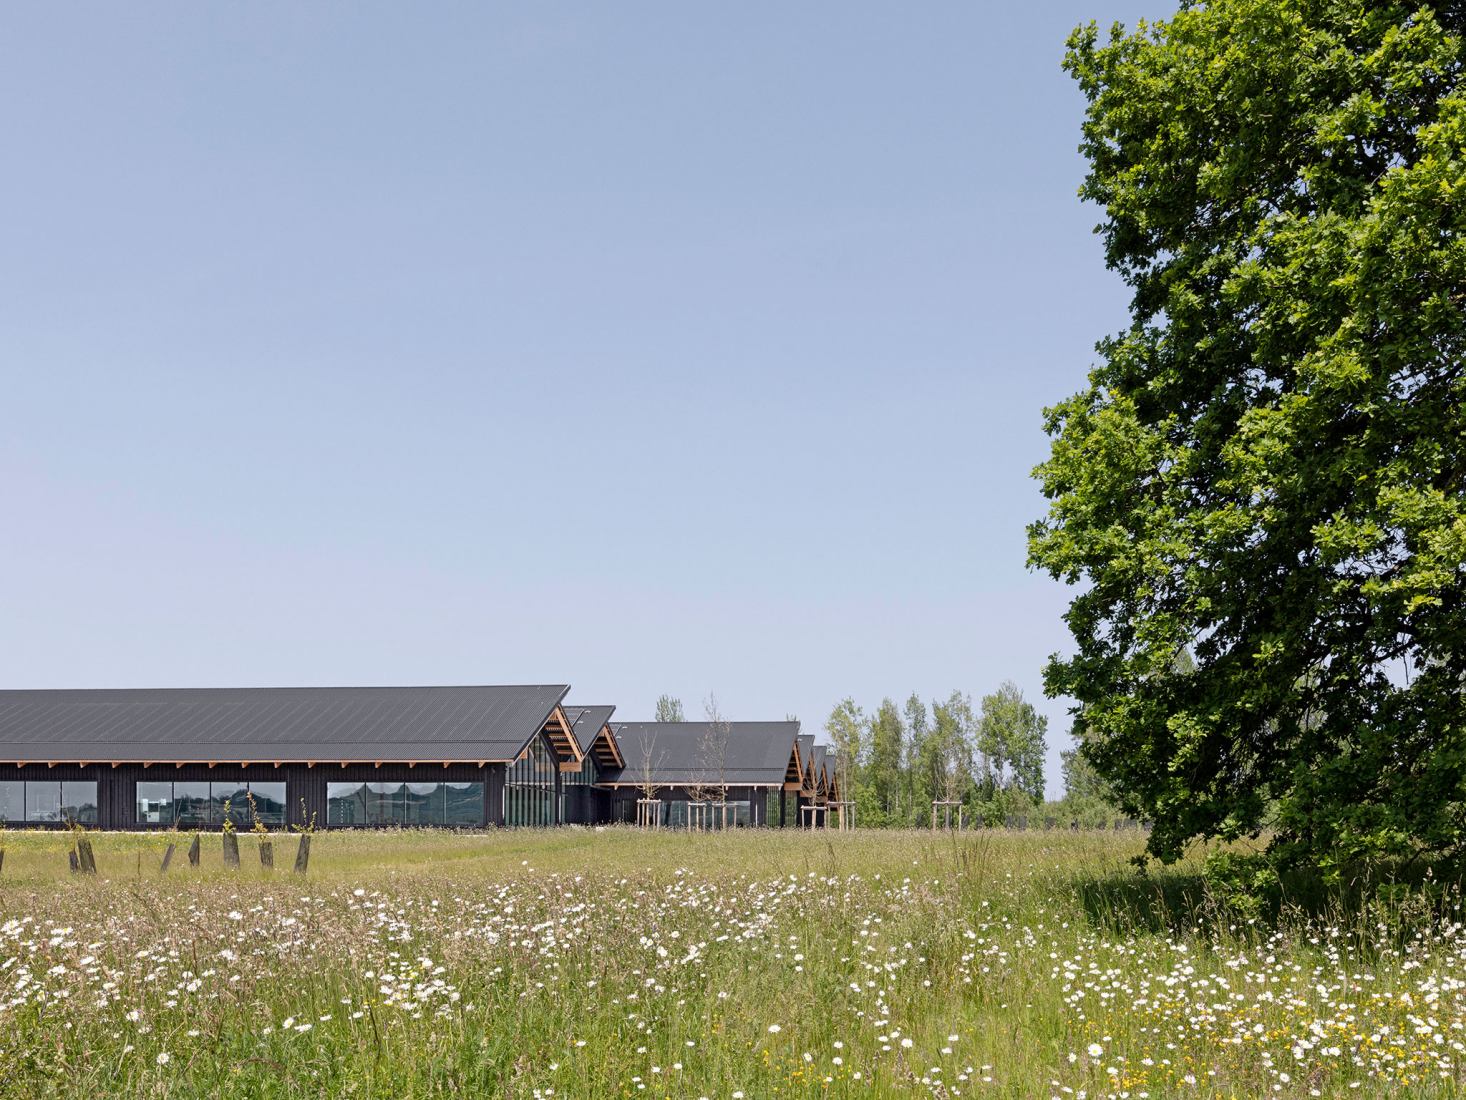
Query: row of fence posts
(84, 861)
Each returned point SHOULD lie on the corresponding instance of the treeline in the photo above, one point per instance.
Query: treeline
(897, 761)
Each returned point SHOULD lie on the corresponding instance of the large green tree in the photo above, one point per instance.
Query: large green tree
(1267, 465)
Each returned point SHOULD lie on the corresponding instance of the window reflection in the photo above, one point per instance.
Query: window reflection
(44, 802)
(79, 801)
(198, 805)
(405, 804)
(12, 800)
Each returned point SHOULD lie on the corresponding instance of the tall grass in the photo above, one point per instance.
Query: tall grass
(606, 963)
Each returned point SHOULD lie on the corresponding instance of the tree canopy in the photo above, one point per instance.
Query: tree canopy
(1266, 466)
(1011, 741)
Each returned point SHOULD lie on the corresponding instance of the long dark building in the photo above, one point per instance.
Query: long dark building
(737, 764)
(466, 757)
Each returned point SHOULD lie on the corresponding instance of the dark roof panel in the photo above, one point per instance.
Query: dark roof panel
(587, 722)
(691, 753)
(201, 724)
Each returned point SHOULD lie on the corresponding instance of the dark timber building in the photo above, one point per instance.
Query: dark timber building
(360, 757)
(681, 763)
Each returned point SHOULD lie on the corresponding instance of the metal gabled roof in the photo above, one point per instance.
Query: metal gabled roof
(592, 727)
(684, 754)
(819, 755)
(187, 725)
(587, 722)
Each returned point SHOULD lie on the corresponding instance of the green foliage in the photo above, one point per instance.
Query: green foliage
(846, 730)
(918, 791)
(947, 750)
(885, 778)
(895, 763)
(996, 806)
(1267, 467)
(1088, 798)
(307, 823)
(1010, 741)
(1247, 882)
(669, 709)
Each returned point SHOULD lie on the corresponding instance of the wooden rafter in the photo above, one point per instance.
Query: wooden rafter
(795, 768)
(607, 751)
(562, 738)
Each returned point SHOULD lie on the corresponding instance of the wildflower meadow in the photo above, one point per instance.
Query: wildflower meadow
(617, 963)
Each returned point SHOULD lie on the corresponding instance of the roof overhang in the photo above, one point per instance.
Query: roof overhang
(605, 750)
(557, 731)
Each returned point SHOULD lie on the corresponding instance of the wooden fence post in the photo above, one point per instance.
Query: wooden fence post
(193, 851)
(231, 849)
(303, 854)
(168, 857)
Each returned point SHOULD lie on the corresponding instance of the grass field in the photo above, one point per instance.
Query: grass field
(585, 963)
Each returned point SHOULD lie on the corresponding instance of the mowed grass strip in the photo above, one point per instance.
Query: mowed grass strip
(612, 962)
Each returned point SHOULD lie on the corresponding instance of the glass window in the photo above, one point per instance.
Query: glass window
(191, 804)
(463, 803)
(43, 801)
(581, 776)
(12, 800)
(529, 793)
(196, 805)
(155, 803)
(383, 800)
(269, 802)
(79, 801)
(230, 799)
(421, 804)
(409, 804)
(346, 804)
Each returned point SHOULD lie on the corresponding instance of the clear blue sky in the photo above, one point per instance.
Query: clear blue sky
(649, 348)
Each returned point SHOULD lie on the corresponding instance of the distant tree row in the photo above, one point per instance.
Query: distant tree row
(896, 761)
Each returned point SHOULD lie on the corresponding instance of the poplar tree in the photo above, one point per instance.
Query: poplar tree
(919, 793)
(886, 780)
